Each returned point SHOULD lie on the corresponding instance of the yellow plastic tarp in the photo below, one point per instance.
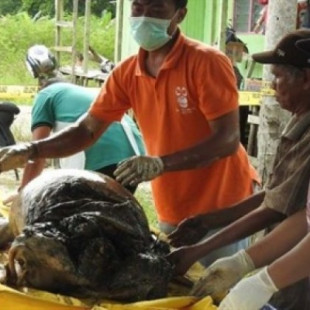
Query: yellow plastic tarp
(11, 299)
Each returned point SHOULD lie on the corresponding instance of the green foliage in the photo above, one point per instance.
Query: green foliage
(19, 32)
(144, 196)
(10, 7)
(47, 7)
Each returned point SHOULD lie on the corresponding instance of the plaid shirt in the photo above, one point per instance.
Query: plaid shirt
(287, 186)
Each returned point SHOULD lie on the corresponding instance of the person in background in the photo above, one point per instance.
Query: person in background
(302, 18)
(42, 64)
(285, 191)
(282, 265)
(59, 104)
(184, 97)
(260, 25)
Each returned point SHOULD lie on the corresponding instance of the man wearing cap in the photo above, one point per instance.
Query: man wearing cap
(184, 97)
(288, 262)
(286, 189)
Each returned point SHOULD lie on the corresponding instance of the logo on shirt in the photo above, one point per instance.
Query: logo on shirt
(181, 93)
(182, 100)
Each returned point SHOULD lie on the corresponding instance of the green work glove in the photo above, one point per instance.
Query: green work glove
(138, 169)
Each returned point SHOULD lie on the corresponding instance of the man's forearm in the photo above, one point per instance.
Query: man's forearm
(223, 141)
(229, 215)
(293, 266)
(285, 236)
(247, 225)
(67, 142)
(70, 140)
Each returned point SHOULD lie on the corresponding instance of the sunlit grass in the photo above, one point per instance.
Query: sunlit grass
(144, 196)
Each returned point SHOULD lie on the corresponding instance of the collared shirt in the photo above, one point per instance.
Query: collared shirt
(286, 188)
(195, 84)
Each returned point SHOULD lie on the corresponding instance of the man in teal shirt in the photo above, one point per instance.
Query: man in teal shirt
(59, 104)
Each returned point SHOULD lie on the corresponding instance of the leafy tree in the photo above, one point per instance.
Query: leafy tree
(19, 32)
(9, 6)
(47, 7)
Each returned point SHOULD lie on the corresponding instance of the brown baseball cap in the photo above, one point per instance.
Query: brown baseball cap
(286, 52)
(304, 45)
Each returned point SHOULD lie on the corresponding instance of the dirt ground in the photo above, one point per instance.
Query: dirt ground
(21, 132)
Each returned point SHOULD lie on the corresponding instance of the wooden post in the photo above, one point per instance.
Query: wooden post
(119, 30)
(74, 38)
(86, 35)
(222, 24)
(59, 6)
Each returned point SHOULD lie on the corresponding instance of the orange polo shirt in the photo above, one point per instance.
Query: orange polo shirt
(195, 84)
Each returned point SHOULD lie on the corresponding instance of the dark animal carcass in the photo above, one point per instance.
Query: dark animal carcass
(81, 234)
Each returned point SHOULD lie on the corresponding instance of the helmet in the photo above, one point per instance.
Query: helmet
(106, 66)
(40, 60)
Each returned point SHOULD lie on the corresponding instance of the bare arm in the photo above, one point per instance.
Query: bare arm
(223, 141)
(193, 229)
(285, 236)
(293, 266)
(229, 215)
(72, 139)
(35, 167)
(256, 220)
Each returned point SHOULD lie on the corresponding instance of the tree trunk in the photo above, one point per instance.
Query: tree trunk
(281, 20)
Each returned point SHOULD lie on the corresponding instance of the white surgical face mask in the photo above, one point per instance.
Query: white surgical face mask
(150, 33)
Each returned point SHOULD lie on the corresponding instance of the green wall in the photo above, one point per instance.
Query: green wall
(255, 44)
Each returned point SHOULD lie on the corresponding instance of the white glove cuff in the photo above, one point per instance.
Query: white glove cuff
(267, 280)
(245, 261)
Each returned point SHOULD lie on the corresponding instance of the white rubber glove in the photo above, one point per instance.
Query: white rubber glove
(15, 156)
(222, 275)
(138, 169)
(251, 293)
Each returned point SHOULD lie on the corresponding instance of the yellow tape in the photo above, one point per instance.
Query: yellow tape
(247, 98)
(11, 92)
(15, 92)
(250, 98)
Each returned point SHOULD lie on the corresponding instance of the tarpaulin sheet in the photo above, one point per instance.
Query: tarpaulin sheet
(11, 299)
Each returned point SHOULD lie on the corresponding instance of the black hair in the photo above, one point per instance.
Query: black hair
(180, 3)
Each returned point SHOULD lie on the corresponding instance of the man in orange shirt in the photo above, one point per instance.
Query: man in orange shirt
(184, 97)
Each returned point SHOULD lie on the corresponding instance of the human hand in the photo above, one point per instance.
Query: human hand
(251, 293)
(182, 259)
(189, 231)
(15, 156)
(223, 274)
(138, 169)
